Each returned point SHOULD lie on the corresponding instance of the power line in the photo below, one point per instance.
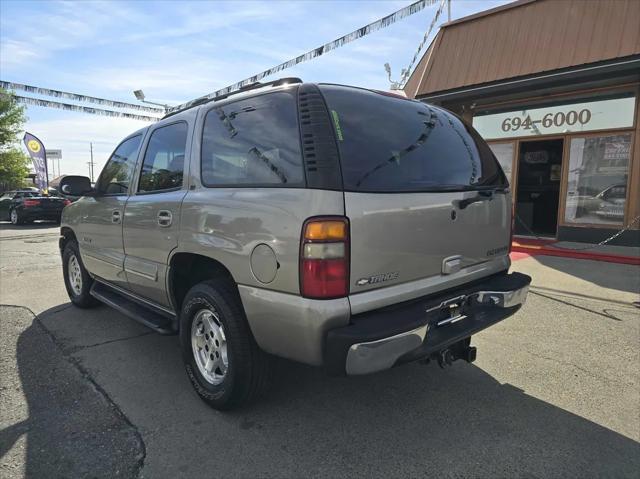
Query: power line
(82, 109)
(77, 97)
(379, 24)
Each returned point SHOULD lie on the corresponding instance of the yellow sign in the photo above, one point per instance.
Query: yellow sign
(34, 146)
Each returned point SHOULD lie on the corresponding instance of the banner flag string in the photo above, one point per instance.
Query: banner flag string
(407, 72)
(82, 109)
(82, 98)
(379, 24)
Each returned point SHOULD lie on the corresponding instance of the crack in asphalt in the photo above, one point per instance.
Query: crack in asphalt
(536, 354)
(86, 375)
(29, 236)
(579, 368)
(604, 315)
(579, 296)
(110, 341)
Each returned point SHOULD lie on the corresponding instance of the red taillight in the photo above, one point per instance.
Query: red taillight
(66, 202)
(324, 258)
(29, 203)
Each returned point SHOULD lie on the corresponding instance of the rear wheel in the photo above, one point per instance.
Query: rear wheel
(15, 217)
(76, 278)
(224, 364)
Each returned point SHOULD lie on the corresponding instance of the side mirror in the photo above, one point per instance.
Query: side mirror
(76, 186)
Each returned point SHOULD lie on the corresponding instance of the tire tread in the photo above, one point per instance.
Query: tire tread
(254, 368)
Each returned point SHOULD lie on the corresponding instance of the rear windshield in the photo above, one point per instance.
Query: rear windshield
(388, 144)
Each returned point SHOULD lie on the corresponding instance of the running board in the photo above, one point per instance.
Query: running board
(159, 322)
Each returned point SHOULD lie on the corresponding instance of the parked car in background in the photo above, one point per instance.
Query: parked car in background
(612, 202)
(26, 206)
(335, 226)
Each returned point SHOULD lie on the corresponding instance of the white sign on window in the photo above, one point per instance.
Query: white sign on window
(571, 118)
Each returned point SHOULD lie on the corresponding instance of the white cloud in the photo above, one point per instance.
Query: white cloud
(14, 52)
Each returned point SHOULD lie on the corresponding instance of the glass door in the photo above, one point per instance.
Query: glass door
(538, 193)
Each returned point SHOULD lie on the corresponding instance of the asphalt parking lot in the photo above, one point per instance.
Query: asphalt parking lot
(555, 391)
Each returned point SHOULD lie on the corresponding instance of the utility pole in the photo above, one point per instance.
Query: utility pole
(91, 162)
(448, 10)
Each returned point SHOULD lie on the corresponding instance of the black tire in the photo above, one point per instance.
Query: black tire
(250, 370)
(17, 220)
(83, 298)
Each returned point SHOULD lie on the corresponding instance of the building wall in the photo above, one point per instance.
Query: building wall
(525, 38)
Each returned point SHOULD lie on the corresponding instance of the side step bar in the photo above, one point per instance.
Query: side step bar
(159, 321)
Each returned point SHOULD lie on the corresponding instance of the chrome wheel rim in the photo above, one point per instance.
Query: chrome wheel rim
(14, 217)
(209, 345)
(75, 275)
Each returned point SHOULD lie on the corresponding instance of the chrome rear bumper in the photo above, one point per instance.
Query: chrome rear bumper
(493, 306)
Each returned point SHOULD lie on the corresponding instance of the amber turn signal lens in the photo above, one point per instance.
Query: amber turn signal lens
(325, 230)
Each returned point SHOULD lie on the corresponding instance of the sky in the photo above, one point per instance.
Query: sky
(177, 51)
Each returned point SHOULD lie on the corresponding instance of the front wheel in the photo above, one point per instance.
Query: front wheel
(76, 278)
(224, 364)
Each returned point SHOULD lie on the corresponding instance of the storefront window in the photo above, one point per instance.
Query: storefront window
(504, 155)
(597, 182)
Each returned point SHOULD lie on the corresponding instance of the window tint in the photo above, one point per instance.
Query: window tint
(389, 144)
(117, 173)
(253, 142)
(163, 163)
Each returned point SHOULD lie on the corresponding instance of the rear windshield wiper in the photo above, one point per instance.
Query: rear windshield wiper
(483, 195)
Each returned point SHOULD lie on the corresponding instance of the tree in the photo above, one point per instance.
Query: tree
(14, 164)
(13, 168)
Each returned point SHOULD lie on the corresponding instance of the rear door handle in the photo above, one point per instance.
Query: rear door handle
(165, 218)
(115, 217)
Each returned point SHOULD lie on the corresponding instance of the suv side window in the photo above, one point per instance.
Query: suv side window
(117, 173)
(163, 164)
(253, 142)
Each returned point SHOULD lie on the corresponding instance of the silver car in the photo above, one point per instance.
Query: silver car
(331, 225)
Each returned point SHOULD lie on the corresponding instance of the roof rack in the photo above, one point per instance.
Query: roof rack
(250, 86)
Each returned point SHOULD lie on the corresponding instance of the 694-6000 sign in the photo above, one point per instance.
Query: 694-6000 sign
(558, 119)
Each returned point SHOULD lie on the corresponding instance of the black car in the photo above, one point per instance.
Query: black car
(25, 206)
(55, 192)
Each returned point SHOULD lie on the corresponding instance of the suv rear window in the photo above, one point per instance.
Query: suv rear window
(389, 144)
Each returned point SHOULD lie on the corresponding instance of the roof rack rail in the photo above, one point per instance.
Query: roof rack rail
(250, 86)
